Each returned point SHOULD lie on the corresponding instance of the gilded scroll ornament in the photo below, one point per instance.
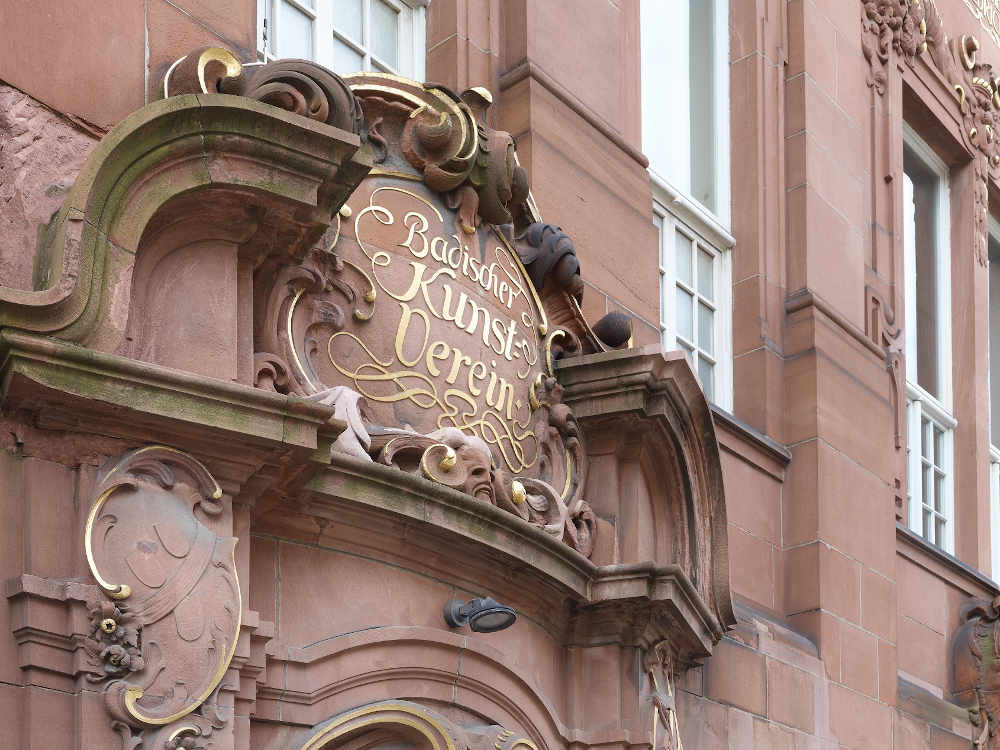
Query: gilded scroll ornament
(173, 610)
(299, 86)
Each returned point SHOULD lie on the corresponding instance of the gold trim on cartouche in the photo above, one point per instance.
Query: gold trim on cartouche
(123, 591)
(338, 728)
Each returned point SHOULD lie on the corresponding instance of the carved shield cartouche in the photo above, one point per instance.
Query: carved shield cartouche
(173, 581)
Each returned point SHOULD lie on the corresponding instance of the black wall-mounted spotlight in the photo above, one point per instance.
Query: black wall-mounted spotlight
(484, 615)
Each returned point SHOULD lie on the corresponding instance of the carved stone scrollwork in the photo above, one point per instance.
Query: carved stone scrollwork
(168, 629)
(447, 456)
(458, 154)
(549, 257)
(299, 86)
(977, 93)
(976, 668)
(887, 26)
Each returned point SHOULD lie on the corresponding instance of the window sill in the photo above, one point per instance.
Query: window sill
(692, 213)
(955, 571)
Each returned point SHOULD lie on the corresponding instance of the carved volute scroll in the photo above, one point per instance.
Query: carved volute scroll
(164, 637)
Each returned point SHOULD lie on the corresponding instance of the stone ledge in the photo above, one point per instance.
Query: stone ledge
(31, 360)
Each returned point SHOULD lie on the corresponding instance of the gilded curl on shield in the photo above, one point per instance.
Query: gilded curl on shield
(509, 438)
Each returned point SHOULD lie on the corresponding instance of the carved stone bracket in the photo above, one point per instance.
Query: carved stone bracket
(167, 628)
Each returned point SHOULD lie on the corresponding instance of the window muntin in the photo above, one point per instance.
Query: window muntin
(685, 98)
(927, 276)
(346, 35)
(695, 302)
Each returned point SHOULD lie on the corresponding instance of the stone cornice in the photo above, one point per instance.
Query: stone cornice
(157, 391)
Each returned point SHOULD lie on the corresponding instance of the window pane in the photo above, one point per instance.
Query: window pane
(345, 59)
(705, 279)
(685, 314)
(702, 87)
(347, 18)
(705, 370)
(938, 491)
(925, 438)
(385, 32)
(939, 531)
(927, 525)
(294, 33)
(683, 249)
(920, 237)
(705, 338)
(939, 447)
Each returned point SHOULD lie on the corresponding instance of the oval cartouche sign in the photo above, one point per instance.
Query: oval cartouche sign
(451, 333)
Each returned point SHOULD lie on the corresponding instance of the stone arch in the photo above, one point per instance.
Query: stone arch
(421, 666)
(381, 723)
(400, 724)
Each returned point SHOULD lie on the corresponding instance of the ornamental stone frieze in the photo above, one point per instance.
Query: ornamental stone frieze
(328, 306)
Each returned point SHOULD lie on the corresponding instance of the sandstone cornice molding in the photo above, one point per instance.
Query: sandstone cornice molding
(168, 148)
(654, 391)
(30, 361)
(386, 489)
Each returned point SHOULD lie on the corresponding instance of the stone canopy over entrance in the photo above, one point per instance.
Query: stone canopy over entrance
(296, 311)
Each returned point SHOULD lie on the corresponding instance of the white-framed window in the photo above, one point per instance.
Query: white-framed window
(685, 134)
(685, 99)
(696, 299)
(346, 36)
(927, 276)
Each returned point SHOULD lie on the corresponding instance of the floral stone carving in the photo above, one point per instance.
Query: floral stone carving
(167, 629)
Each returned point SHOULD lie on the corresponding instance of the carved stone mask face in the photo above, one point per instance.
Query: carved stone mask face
(478, 481)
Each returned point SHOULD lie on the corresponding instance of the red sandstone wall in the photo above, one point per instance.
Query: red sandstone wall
(814, 547)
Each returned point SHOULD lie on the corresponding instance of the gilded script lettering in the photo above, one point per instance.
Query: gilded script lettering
(465, 334)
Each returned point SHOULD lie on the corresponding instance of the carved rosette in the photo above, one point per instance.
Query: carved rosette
(167, 629)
